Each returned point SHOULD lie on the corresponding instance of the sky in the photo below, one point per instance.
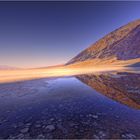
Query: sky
(39, 34)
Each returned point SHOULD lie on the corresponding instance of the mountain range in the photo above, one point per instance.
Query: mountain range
(120, 47)
(6, 67)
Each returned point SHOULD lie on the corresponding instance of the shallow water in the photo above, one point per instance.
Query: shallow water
(85, 106)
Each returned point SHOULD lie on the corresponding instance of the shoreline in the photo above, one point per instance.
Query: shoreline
(8, 76)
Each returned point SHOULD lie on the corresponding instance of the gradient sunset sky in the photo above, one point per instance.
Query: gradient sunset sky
(37, 34)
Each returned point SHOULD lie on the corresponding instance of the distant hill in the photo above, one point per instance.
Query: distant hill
(5, 67)
(120, 45)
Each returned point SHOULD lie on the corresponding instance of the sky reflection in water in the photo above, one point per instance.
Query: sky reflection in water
(85, 106)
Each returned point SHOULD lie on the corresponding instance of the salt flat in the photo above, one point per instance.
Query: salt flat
(7, 76)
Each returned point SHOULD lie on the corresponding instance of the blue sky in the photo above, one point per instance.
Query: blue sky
(35, 34)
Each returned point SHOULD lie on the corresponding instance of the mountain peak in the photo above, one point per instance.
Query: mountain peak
(123, 43)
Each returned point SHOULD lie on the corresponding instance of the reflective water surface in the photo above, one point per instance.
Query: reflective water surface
(97, 106)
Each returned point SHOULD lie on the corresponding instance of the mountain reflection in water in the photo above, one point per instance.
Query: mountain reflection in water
(121, 87)
(68, 108)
